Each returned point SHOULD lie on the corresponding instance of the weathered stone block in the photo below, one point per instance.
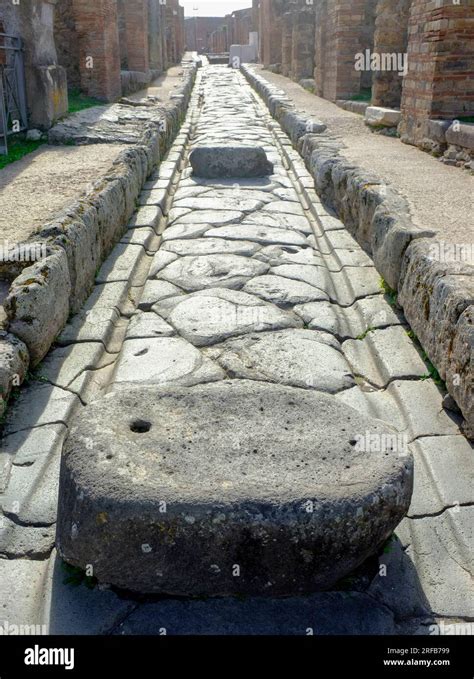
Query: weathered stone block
(230, 161)
(154, 508)
(377, 116)
(38, 303)
(14, 361)
(461, 135)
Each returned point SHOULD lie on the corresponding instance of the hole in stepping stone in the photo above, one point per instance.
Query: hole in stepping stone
(140, 426)
(142, 352)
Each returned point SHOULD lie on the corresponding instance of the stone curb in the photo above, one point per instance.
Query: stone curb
(43, 296)
(379, 218)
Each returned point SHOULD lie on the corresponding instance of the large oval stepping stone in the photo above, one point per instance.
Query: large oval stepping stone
(236, 487)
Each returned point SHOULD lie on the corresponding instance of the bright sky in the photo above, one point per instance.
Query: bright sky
(213, 8)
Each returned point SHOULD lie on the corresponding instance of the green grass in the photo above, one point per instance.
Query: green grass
(466, 119)
(391, 295)
(364, 95)
(79, 101)
(432, 373)
(18, 148)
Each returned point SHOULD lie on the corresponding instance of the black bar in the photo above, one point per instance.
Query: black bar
(449, 656)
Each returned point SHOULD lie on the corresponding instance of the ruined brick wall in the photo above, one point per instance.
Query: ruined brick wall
(391, 37)
(440, 81)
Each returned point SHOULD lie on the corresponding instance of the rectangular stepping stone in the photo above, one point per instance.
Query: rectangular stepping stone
(230, 161)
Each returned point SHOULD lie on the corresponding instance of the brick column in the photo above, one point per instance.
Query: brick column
(97, 32)
(286, 43)
(302, 54)
(439, 83)
(391, 37)
(155, 42)
(271, 25)
(345, 27)
(136, 29)
(320, 45)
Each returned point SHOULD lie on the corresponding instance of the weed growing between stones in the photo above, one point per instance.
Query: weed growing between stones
(364, 334)
(390, 293)
(432, 371)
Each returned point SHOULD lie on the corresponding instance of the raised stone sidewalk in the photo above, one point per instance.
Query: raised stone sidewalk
(412, 214)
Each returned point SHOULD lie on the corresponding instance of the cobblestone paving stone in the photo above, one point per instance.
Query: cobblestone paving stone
(249, 280)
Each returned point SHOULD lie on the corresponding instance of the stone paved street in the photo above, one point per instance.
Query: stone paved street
(236, 360)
